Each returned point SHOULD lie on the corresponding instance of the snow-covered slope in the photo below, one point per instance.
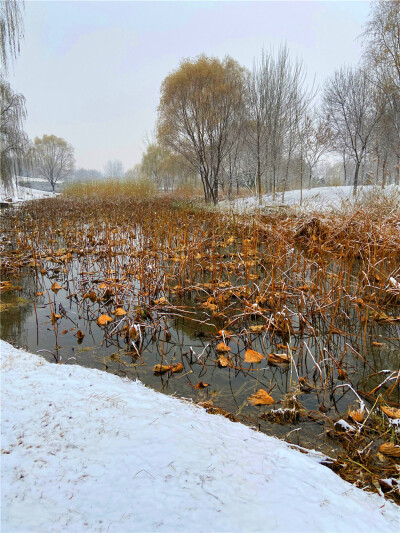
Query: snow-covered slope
(23, 194)
(83, 450)
(316, 198)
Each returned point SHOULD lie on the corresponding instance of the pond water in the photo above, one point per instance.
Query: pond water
(323, 361)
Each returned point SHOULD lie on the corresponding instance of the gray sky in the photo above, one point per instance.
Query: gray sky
(91, 71)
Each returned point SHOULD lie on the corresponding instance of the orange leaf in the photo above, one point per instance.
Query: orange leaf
(222, 348)
(55, 287)
(261, 397)
(223, 361)
(253, 357)
(119, 312)
(201, 385)
(278, 359)
(103, 320)
(391, 412)
(176, 369)
(80, 334)
(357, 416)
(161, 369)
(388, 448)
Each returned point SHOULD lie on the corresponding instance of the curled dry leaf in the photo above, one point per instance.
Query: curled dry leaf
(201, 385)
(80, 334)
(278, 359)
(119, 312)
(257, 329)
(253, 357)
(222, 348)
(357, 416)
(224, 361)
(261, 397)
(55, 287)
(224, 333)
(161, 369)
(388, 448)
(54, 317)
(391, 412)
(161, 301)
(103, 320)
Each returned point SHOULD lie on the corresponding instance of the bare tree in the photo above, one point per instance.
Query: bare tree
(114, 169)
(199, 109)
(53, 159)
(352, 109)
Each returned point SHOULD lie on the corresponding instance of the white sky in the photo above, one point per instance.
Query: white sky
(91, 71)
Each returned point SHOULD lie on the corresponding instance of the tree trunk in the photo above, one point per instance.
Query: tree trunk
(397, 175)
(356, 178)
(384, 174)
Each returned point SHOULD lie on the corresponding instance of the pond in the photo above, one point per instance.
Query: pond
(185, 317)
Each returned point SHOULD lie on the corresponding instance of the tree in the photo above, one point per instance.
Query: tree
(14, 141)
(382, 38)
(86, 174)
(200, 107)
(114, 169)
(11, 30)
(352, 109)
(12, 106)
(53, 159)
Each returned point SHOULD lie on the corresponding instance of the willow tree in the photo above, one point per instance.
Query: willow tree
(11, 30)
(13, 139)
(200, 108)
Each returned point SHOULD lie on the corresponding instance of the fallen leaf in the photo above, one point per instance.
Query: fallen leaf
(253, 357)
(224, 333)
(39, 293)
(161, 369)
(222, 348)
(278, 359)
(388, 448)
(161, 301)
(176, 369)
(261, 397)
(223, 361)
(55, 287)
(257, 329)
(103, 320)
(357, 416)
(80, 334)
(201, 385)
(54, 317)
(119, 312)
(64, 332)
(391, 412)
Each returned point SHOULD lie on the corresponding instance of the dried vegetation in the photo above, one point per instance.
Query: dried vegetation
(304, 295)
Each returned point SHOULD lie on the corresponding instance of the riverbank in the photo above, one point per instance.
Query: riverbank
(83, 450)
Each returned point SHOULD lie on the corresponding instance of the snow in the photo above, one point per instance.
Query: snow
(23, 194)
(83, 450)
(316, 198)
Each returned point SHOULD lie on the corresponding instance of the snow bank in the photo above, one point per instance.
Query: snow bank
(316, 198)
(83, 450)
(23, 194)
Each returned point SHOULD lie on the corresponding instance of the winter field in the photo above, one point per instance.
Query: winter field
(83, 450)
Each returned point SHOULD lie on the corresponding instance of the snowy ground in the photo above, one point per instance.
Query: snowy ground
(83, 450)
(23, 194)
(317, 198)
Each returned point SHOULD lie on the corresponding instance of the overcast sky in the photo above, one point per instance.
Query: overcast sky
(91, 71)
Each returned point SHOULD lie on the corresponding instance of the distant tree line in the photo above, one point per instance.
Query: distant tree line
(226, 127)
(266, 130)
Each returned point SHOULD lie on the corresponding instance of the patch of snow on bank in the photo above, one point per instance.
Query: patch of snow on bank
(83, 450)
(24, 194)
(316, 198)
